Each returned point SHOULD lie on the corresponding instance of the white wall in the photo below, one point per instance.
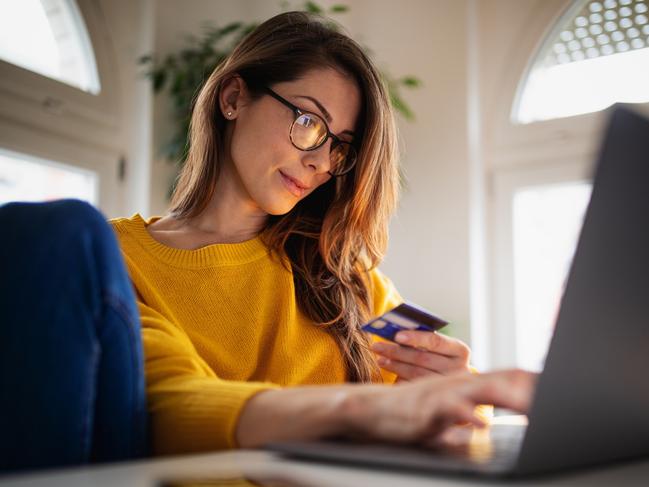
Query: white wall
(429, 252)
(130, 35)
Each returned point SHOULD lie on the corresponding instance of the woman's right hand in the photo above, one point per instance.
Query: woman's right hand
(406, 412)
(418, 410)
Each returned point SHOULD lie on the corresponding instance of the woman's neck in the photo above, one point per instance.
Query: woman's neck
(229, 217)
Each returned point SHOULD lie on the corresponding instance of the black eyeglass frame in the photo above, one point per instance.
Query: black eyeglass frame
(298, 112)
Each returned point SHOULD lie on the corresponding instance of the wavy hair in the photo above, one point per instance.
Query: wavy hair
(333, 237)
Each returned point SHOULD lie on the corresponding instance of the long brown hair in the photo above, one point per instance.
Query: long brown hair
(338, 233)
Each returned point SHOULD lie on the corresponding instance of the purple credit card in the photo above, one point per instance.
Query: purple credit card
(406, 316)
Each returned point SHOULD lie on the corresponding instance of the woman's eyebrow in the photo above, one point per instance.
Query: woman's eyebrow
(324, 112)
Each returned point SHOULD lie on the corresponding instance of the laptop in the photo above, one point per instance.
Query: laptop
(591, 404)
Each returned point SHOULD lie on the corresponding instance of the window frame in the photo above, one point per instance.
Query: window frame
(517, 155)
(506, 182)
(49, 119)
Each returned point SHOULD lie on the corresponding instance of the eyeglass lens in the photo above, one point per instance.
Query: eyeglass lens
(309, 131)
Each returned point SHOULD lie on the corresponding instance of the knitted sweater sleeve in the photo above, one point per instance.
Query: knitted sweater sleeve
(190, 408)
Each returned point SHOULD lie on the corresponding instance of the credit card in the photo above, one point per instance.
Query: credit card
(406, 316)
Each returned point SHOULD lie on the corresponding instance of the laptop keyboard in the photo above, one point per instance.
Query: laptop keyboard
(493, 450)
(496, 446)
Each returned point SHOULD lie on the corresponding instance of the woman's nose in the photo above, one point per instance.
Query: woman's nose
(319, 159)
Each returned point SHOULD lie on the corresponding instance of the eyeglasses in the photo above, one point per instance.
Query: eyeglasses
(309, 132)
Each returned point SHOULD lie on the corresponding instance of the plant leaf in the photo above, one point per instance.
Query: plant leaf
(313, 8)
(401, 106)
(411, 82)
(228, 29)
(159, 78)
(339, 8)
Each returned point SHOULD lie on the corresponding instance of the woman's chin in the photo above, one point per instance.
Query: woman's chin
(280, 212)
(279, 208)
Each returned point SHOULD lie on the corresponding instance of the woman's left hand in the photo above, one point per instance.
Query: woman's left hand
(420, 353)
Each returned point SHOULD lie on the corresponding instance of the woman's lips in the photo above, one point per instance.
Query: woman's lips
(294, 187)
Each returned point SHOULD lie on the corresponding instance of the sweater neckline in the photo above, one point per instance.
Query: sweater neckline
(209, 255)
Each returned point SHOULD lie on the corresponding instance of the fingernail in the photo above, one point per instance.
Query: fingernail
(382, 361)
(378, 347)
(402, 337)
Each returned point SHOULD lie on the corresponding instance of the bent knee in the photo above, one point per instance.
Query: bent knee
(53, 221)
(78, 212)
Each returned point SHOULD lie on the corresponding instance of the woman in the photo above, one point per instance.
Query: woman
(251, 290)
(264, 268)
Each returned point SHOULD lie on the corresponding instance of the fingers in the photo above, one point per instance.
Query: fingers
(404, 370)
(460, 410)
(411, 414)
(427, 406)
(511, 389)
(434, 342)
(448, 407)
(408, 360)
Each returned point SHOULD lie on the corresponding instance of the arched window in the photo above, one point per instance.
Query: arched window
(572, 59)
(49, 37)
(596, 54)
(60, 131)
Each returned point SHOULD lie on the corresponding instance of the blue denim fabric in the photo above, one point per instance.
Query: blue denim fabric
(71, 367)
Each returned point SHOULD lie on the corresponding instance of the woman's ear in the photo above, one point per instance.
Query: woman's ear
(232, 97)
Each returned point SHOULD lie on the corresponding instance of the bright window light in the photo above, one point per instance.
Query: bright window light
(547, 220)
(597, 55)
(26, 178)
(48, 37)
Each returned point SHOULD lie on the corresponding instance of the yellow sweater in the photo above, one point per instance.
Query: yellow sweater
(220, 324)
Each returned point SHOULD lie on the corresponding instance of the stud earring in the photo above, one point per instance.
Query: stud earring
(229, 114)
